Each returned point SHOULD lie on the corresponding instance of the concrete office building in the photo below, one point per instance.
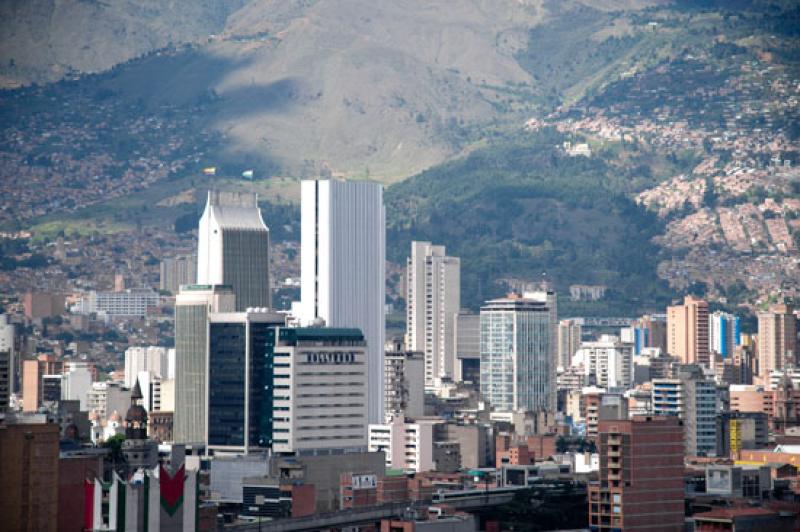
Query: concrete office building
(517, 369)
(33, 372)
(692, 398)
(641, 476)
(404, 379)
(137, 359)
(192, 306)
(777, 339)
(77, 381)
(233, 248)
(408, 444)
(343, 267)
(239, 384)
(608, 360)
(725, 334)
(320, 390)
(687, 331)
(433, 298)
(569, 341)
(177, 271)
(467, 345)
(107, 397)
(130, 303)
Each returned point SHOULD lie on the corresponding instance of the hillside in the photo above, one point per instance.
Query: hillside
(521, 208)
(46, 40)
(597, 142)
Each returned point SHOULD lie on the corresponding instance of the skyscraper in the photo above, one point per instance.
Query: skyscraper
(725, 333)
(342, 266)
(641, 476)
(233, 248)
(240, 380)
(517, 371)
(192, 306)
(433, 300)
(777, 339)
(687, 331)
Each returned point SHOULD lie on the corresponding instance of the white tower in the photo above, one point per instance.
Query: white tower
(233, 248)
(433, 300)
(342, 267)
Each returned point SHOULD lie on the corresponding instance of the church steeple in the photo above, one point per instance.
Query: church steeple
(136, 418)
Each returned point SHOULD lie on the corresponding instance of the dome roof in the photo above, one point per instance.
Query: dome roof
(115, 416)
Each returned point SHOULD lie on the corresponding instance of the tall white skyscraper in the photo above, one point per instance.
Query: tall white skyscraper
(233, 248)
(517, 369)
(433, 300)
(342, 266)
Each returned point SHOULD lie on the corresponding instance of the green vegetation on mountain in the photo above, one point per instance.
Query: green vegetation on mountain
(520, 208)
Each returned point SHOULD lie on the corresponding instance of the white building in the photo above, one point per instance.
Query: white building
(407, 445)
(137, 359)
(693, 398)
(106, 397)
(233, 248)
(76, 382)
(518, 371)
(433, 299)
(724, 333)
(342, 266)
(135, 303)
(320, 382)
(608, 359)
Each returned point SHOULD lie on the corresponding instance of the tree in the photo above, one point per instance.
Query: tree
(115, 454)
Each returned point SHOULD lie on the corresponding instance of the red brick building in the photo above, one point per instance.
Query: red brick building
(640, 484)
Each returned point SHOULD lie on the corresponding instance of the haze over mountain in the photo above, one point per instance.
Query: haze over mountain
(651, 147)
(368, 87)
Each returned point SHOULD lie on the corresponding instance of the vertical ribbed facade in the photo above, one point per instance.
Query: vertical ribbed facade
(233, 248)
(192, 306)
(342, 270)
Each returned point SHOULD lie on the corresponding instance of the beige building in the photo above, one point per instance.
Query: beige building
(433, 300)
(687, 331)
(777, 339)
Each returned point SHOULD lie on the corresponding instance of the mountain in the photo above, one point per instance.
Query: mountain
(522, 208)
(358, 87)
(45, 40)
(600, 142)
